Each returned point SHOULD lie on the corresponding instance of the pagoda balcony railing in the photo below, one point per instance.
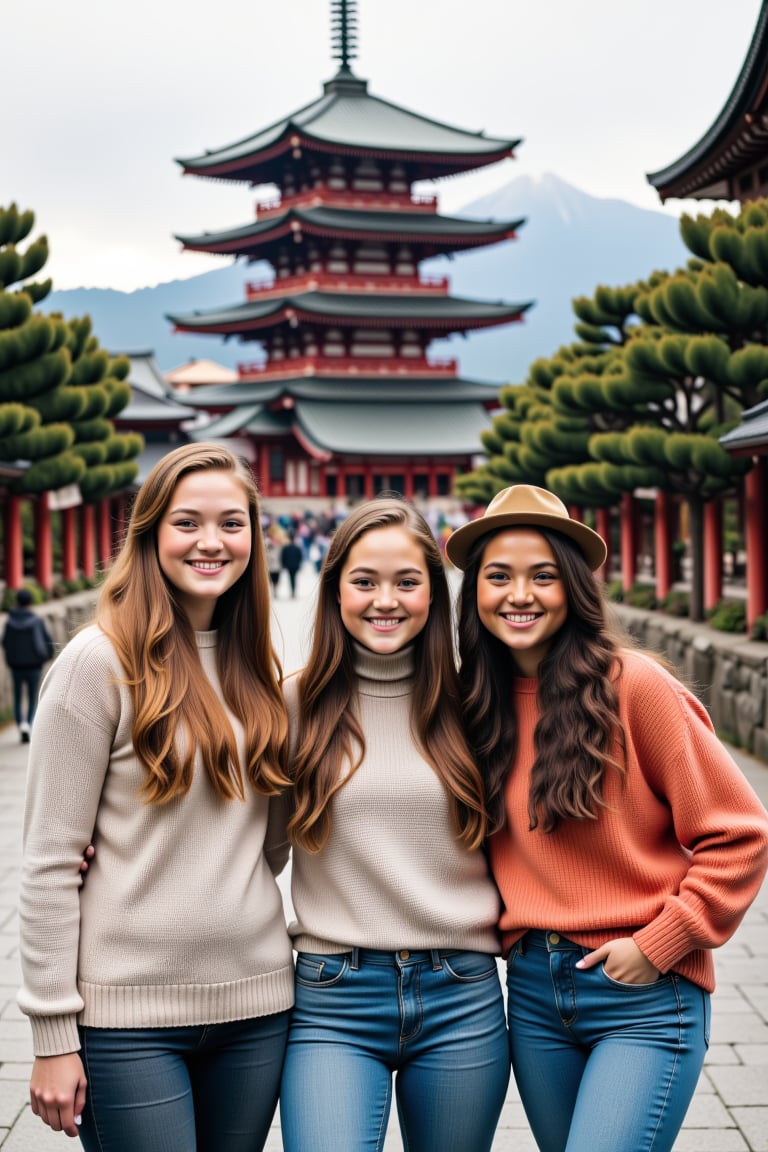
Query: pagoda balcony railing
(325, 197)
(346, 282)
(393, 366)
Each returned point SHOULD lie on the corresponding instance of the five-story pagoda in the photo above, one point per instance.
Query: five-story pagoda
(346, 400)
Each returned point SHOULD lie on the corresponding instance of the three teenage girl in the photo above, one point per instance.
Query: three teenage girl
(625, 842)
(159, 994)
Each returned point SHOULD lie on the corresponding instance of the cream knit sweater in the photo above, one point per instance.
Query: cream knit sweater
(180, 921)
(392, 874)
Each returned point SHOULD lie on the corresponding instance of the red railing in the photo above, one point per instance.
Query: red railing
(346, 282)
(347, 366)
(346, 198)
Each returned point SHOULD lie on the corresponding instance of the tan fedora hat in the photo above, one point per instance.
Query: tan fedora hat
(524, 504)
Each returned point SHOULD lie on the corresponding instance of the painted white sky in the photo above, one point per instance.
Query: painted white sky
(101, 95)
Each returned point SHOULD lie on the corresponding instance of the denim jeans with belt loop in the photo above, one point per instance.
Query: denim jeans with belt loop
(434, 1019)
(601, 1066)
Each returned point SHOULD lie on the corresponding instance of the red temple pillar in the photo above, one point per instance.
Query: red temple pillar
(262, 464)
(68, 544)
(121, 521)
(755, 509)
(368, 481)
(713, 553)
(662, 544)
(603, 528)
(408, 492)
(14, 543)
(628, 541)
(87, 541)
(104, 532)
(43, 542)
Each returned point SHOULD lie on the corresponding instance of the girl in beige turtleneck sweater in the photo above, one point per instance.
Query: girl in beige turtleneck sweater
(395, 911)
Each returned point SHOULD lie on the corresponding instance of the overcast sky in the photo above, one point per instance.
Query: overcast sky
(101, 95)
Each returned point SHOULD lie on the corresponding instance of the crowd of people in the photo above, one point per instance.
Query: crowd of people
(298, 538)
(554, 796)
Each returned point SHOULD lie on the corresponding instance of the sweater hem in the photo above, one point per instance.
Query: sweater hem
(164, 1006)
(489, 944)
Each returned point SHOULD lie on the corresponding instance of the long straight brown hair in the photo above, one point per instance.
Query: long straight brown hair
(140, 612)
(330, 734)
(579, 726)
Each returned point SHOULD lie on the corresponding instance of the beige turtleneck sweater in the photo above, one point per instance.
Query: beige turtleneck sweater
(180, 921)
(392, 874)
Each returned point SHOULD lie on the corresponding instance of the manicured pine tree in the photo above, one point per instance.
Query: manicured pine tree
(99, 390)
(705, 352)
(606, 321)
(34, 364)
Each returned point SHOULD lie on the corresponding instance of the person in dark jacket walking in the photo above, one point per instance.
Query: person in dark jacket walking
(28, 645)
(291, 558)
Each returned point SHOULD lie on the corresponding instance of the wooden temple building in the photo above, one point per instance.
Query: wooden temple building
(343, 398)
(730, 162)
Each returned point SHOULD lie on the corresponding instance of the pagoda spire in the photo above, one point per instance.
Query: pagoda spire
(344, 33)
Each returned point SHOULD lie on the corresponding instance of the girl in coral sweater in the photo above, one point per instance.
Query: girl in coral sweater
(626, 843)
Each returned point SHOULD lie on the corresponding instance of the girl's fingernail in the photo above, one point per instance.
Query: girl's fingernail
(579, 963)
(78, 1120)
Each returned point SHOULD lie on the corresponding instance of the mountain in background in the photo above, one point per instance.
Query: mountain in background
(570, 243)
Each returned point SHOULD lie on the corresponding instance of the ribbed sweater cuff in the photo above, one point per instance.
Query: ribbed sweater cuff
(54, 1035)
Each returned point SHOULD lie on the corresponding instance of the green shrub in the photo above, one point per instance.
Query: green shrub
(77, 584)
(760, 628)
(729, 616)
(39, 595)
(641, 596)
(614, 590)
(677, 602)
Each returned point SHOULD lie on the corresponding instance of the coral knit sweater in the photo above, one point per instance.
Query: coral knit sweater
(674, 861)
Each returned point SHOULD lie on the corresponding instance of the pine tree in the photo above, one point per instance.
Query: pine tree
(98, 389)
(34, 363)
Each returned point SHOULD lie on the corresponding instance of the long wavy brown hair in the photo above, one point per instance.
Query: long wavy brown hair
(331, 736)
(140, 612)
(579, 727)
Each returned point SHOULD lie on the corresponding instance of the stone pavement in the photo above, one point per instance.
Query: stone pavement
(729, 1112)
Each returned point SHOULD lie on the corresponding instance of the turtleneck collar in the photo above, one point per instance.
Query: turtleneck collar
(206, 639)
(384, 674)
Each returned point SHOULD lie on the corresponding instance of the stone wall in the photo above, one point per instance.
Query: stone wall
(727, 671)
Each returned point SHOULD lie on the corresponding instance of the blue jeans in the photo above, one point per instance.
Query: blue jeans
(435, 1018)
(28, 678)
(601, 1066)
(207, 1088)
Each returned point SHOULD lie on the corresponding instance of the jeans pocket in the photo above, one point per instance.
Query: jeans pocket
(315, 970)
(470, 967)
(657, 983)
